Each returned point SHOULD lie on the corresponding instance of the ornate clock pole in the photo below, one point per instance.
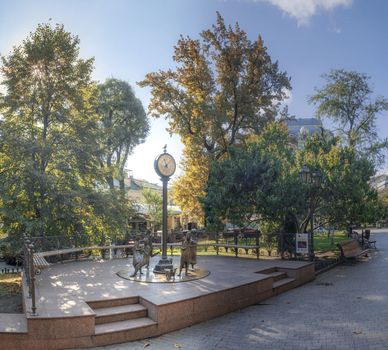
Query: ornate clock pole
(165, 167)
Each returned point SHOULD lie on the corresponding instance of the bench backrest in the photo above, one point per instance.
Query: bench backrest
(350, 248)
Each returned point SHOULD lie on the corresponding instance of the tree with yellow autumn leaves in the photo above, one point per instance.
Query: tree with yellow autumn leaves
(224, 87)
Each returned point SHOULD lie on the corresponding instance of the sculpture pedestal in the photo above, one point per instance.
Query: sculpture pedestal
(162, 265)
(151, 277)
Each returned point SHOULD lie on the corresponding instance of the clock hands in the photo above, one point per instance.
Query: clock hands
(165, 163)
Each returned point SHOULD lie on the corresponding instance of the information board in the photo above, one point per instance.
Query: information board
(302, 243)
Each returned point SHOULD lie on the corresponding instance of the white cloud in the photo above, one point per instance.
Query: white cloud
(303, 10)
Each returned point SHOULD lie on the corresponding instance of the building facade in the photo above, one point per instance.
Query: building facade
(134, 189)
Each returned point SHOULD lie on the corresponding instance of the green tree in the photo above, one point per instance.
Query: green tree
(346, 99)
(48, 161)
(260, 183)
(383, 208)
(223, 88)
(154, 207)
(123, 125)
(257, 183)
(345, 196)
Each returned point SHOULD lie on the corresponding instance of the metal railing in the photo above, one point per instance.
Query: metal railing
(10, 270)
(29, 271)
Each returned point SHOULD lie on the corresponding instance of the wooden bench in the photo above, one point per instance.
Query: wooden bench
(367, 241)
(369, 244)
(364, 239)
(39, 262)
(351, 249)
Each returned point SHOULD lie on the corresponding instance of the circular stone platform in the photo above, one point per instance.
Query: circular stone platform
(149, 277)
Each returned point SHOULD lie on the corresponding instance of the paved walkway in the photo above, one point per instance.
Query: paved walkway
(345, 308)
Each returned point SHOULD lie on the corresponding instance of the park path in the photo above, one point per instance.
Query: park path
(344, 308)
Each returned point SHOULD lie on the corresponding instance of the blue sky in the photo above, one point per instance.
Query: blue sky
(131, 38)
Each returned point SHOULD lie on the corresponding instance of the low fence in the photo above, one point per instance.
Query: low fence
(53, 243)
(10, 270)
(58, 242)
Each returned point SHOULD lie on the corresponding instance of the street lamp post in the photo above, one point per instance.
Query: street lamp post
(314, 179)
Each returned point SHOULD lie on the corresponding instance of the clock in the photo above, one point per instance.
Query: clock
(165, 165)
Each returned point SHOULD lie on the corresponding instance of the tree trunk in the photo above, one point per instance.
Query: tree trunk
(109, 178)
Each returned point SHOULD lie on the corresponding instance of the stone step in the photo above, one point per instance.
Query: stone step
(124, 331)
(13, 323)
(120, 313)
(103, 303)
(277, 276)
(267, 271)
(283, 285)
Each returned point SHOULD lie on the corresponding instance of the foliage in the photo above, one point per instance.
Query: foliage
(269, 230)
(345, 196)
(224, 88)
(260, 183)
(123, 125)
(346, 99)
(50, 142)
(46, 149)
(10, 253)
(187, 189)
(383, 204)
(256, 183)
(154, 207)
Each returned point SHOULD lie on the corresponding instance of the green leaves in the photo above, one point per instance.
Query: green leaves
(345, 196)
(122, 124)
(224, 87)
(259, 183)
(347, 100)
(50, 144)
(254, 183)
(153, 202)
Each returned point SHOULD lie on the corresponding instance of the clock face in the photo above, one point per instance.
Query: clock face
(165, 165)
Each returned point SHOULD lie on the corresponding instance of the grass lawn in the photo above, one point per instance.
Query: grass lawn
(211, 251)
(10, 284)
(10, 293)
(324, 244)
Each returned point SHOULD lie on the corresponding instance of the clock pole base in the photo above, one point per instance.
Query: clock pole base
(163, 265)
